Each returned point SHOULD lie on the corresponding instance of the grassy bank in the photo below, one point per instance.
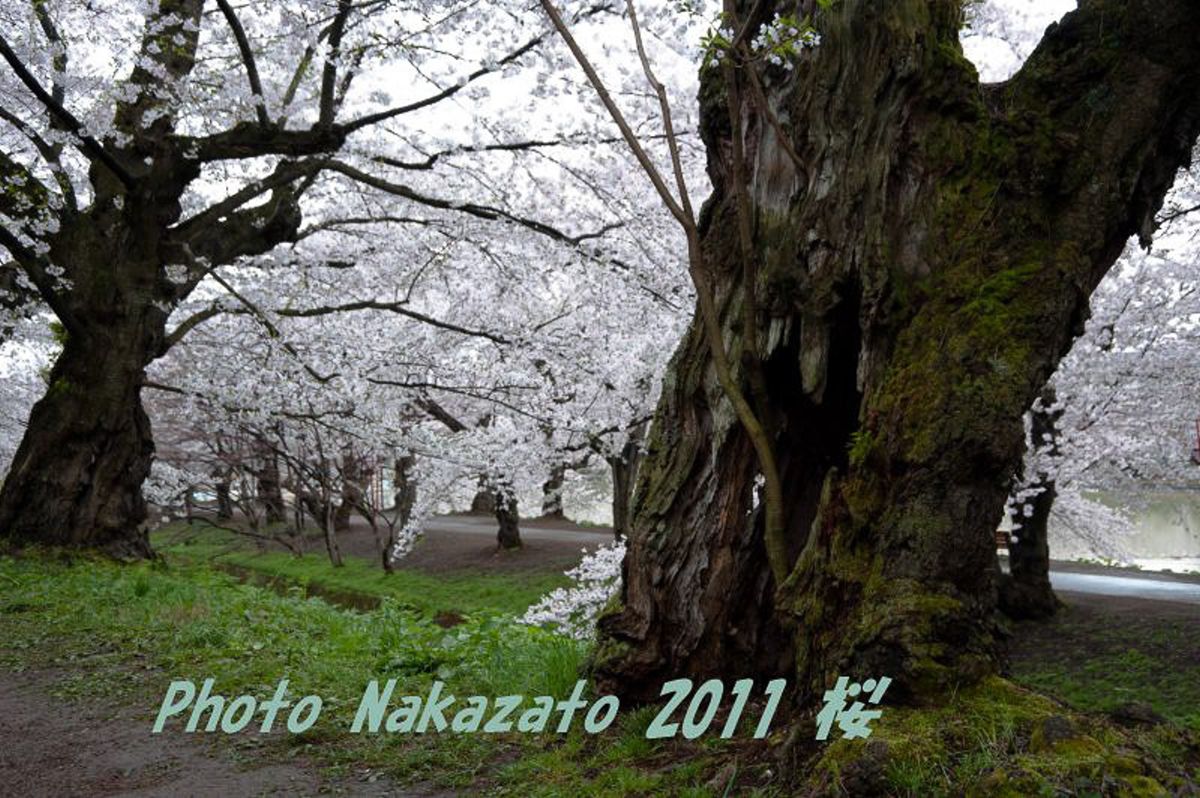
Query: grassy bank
(463, 591)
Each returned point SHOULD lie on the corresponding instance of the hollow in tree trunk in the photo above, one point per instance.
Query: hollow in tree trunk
(925, 246)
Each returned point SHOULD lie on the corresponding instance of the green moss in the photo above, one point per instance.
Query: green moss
(60, 387)
(980, 742)
(861, 443)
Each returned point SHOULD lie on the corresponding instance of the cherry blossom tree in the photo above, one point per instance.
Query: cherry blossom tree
(163, 160)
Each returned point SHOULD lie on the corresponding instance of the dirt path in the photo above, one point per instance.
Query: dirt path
(50, 747)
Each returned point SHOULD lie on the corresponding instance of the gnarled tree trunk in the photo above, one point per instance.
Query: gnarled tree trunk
(925, 248)
(76, 478)
(77, 475)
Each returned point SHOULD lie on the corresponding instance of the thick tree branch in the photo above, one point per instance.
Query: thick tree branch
(50, 154)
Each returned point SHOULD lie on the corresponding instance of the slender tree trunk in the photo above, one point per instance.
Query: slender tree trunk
(76, 478)
(1025, 591)
(552, 498)
(624, 469)
(329, 527)
(270, 494)
(509, 534)
(925, 249)
(224, 499)
(404, 500)
(484, 502)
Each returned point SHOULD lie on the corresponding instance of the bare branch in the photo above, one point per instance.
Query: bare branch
(473, 209)
(88, 145)
(391, 113)
(391, 307)
(329, 72)
(243, 43)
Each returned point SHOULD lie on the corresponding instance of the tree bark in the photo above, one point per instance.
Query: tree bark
(224, 499)
(552, 498)
(508, 535)
(270, 493)
(923, 262)
(76, 477)
(1025, 591)
(354, 476)
(404, 501)
(624, 468)
(484, 502)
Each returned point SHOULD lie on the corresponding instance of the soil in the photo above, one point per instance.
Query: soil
(93, 748)
(548, 545)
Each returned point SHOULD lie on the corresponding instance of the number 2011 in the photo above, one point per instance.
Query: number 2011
(704, 704)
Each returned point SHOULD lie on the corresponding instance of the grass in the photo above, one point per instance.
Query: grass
(125, 632)
(463, 591)
(1097, 661)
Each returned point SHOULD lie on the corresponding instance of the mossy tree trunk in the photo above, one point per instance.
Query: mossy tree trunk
(926, 246)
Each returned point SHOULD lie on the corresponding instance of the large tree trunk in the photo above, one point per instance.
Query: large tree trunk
(76, 478)
(922, 264)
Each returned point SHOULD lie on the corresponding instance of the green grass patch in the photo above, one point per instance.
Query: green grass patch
(464, 591)
(1097, 660)
(125, 632)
